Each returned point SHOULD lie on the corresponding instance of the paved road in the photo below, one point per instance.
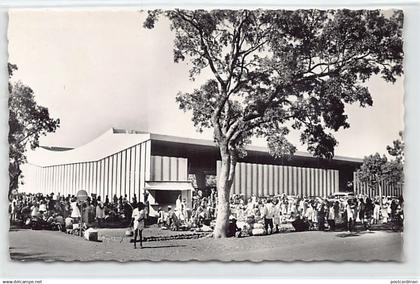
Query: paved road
(29, 245)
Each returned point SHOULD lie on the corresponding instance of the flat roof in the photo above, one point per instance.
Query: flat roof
(115, 140)
(204, 142)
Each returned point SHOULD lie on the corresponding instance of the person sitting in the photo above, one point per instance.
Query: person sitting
(56, 222)
(69, 225)
(161, 217)
(169, 217)
(300, 225)
(175, 222)
(42, 207)
(35, 211)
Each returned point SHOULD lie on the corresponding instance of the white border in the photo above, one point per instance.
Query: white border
(408, 269)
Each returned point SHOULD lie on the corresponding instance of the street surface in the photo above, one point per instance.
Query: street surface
(30, 245)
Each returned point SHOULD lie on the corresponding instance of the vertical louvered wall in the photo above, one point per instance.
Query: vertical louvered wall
(168, 169)
(266, 180)
(122, 173)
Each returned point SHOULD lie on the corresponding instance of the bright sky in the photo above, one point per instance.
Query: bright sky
(100, 69)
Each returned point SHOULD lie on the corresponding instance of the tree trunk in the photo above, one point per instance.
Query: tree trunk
(379, 183)
(14, 179)
(225, 179)
(380, 193)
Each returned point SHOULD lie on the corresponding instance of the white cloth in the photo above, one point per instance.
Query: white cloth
(276, 213)
(269, 210)
(376, 211)
(178, 205)
(309, 213)
(283, 208)
(331, 213)
(75, 212)
(35, 211)
(138, 216)
(42, 207)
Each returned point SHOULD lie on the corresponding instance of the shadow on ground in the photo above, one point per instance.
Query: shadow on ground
(21, 256)
(347, 235)
(165, 246)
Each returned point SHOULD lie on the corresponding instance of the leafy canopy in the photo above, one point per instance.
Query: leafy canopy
(27, 122)
(397, 148)
(377, 168)
(273, 70)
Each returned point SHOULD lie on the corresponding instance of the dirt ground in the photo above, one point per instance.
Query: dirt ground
(30, 245)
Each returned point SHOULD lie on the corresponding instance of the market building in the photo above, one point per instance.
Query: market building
(123, 162)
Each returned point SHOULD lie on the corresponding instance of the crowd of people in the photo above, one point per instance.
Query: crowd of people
(316, 213)
(183, 217)
(267, 214)
(59, 212)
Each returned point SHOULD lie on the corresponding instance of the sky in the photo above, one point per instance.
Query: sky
(97, 69)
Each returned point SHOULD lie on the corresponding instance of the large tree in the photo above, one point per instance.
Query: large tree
(27, 122)
(273, 70)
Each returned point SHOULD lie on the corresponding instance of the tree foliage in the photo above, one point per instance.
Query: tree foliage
(276, 70)
(273, 68)
(28, 121)
(397, 148)
(377, 169)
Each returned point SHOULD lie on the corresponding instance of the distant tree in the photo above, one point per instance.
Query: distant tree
(27, 122)
(377, 169)
(397, 148)
(273, 70)
(372, 171)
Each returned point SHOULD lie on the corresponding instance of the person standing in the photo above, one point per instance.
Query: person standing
(178, 202)
(100, 212)
(351, 215)
(13, 210)
(75, 211)
(138, 217)
(376, 212)
(369, 207)
(331, 217)
(321, 216)
(268, 216)
(276, 214)
(309, 215)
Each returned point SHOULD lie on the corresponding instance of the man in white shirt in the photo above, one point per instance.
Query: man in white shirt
(268, 216)
(138, 217)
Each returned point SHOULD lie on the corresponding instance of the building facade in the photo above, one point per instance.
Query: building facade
(162, 167)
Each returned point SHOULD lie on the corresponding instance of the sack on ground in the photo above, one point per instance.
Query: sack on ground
(91, 235)
(241, 225)
(205, 228)
(129, 233)
(258, 232)
(258, 226)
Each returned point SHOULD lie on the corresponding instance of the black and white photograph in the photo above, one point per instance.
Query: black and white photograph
(206, 135)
